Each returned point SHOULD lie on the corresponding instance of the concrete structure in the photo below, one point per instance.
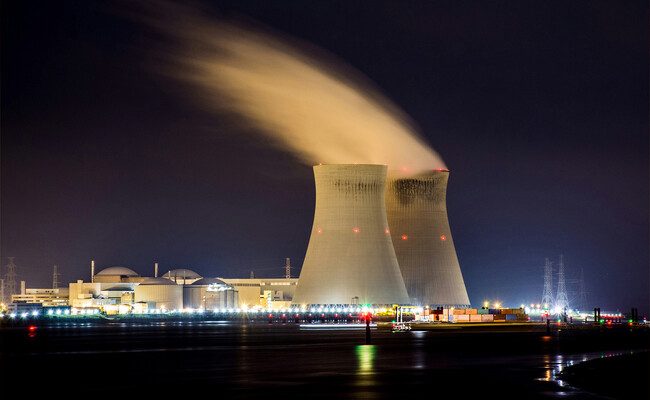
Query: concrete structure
(419, 226)
(159, 293)
(265, 292)
(45, 297)
(209, 293)
(117, 274)
(350, 257)
(182, 276)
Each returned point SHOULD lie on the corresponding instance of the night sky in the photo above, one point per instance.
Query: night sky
(539, 109)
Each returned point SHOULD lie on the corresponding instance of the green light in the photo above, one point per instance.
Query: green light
(602, 321)
(629, 320)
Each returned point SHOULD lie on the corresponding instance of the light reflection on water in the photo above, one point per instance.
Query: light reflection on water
(554, 365)
(365, 374)
(365, 359)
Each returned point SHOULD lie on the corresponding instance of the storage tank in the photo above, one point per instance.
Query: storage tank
(417, 215)
(162, 292)
(350, 257)
(209, 293)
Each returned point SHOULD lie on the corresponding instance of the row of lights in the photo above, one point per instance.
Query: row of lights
(404, 236)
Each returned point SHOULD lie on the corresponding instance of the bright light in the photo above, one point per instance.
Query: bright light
(12, 315)
(497, 305)
(545, 306)
(443, 237)
(35, 313)
(58, 312)
(486, 304)
(319, 230)
(23, 315)
(405, 237)
(356, 229)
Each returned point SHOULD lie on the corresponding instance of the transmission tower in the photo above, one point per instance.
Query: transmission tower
(561, 301)
(10, 279)
(547, 296)
(582, 291)
(287, 268)
(55, 277)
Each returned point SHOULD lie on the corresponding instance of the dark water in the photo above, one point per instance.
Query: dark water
(254, 360)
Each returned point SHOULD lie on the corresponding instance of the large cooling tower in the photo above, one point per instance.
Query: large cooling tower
(417, 216)
(350, 257)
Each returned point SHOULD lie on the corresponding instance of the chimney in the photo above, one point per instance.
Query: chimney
(92, 271)
(22, 287)
(155, 270)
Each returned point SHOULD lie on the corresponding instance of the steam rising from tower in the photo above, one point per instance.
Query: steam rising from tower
(417, 216)
(350, 254)
(305, 100)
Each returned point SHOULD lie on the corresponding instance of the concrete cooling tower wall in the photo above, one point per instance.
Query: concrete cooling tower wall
(350, 258)
(417, 216)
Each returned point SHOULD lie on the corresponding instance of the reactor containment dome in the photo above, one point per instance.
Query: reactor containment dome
(350, 258)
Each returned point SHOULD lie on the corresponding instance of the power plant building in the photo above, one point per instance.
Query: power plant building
(417, 215)
(182, 276)
(265, 292)
(350, 258)
(160, 293)
(209, 293)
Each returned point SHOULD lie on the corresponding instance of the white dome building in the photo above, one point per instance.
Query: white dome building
(159, 293)
(182, 276)
(117, 274)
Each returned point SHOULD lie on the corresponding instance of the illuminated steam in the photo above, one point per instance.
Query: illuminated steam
(314, 106)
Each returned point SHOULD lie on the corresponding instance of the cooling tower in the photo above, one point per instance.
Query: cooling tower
(350, 257)
(417, 216)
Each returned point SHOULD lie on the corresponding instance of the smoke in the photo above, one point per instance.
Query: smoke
(306, 101)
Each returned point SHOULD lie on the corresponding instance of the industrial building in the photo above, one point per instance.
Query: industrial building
(266, 292)
(350, 258)
(417, 215)
(160, 293)
(182, 276)
(210, 293)
(42, 296)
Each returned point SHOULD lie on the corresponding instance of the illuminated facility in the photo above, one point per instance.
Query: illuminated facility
(350, 258)
(416, 207)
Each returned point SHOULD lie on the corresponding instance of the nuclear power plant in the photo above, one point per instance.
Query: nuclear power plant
(417, 215)
(378, 243)
(350, 258)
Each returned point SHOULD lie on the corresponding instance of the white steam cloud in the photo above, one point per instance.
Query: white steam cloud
(307, 102)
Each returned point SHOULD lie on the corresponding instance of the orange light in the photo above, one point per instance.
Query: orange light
(387, 231)
(443, 237)
(405, 237)
(319, 230)
(356, 229)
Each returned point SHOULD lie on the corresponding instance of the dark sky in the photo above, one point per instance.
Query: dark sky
(540, 110)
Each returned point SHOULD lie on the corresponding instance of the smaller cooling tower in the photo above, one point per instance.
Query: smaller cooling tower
(350, 257)
(417, 215)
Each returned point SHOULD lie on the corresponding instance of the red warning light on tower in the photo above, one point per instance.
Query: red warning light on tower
(387, 231)
(356, 229)
(443, 237)
(319, 230)
(405, 237)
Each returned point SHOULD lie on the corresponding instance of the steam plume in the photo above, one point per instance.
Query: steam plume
(307, 102)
